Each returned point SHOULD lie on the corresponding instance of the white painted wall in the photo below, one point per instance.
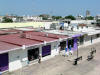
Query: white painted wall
(17, 59)
(54, 49)
(65, 24)
(82, 21)
(47, 25)
(87, 43)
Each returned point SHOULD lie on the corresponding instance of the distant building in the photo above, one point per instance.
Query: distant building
(46, 17)
(88, 13)
(1, 18)
(15, 18)
(80, 17)
(32, 18)
(97, 17)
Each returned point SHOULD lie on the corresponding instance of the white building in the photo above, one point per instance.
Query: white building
(1, 18)
(23, 49)
(32, 18)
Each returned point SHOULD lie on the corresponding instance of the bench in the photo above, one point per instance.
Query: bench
(76, 60)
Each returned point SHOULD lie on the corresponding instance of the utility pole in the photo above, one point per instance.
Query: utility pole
(78, 58)
(77, 50)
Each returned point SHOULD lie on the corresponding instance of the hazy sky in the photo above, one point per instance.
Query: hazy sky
(53, 7)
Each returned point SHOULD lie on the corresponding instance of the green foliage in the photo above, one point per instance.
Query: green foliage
(44, 16)
(70, 17)
(56, 17)
(89, 18)
(7, 20)
(98, 20)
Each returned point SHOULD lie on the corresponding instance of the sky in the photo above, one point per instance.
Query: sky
(52, 7)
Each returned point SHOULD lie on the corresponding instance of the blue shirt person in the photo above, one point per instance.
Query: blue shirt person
(65, 49)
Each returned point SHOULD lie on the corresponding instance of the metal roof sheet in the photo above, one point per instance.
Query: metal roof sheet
(41, 38)
(5, 47)
(11, 41)
(48, 35)
(17, 40)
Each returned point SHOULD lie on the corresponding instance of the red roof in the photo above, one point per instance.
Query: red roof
(17, 40)
(40, 38)
(49, 35)
(11, 41)
(6, 31)
(5, 47)
(2, 32)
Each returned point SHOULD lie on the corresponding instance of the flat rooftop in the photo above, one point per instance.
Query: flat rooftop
(67, 33)
(12, 41)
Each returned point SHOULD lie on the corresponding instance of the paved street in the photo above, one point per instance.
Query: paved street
(59, 65)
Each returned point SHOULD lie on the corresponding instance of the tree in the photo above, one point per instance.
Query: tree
(70, 17)
(98, 22)
(44, 16)
(7, 20)
(89, 18)
(56, 17)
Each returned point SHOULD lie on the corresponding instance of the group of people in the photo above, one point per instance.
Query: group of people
(68, 52)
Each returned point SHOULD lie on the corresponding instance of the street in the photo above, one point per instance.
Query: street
(60, 65)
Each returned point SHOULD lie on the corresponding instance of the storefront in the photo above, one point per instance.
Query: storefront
(46, 50)
(33, 54)
(81, 40)
(72, 43)
(4, 62)
(62, 45)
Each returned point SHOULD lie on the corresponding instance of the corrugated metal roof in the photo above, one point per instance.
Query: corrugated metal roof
(5, 47)
(11, 41)
(48, 35)
(40, 38)
(8, 31)
(17, 40)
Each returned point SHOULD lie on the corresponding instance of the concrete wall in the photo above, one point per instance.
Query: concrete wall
(82, 21)
(54, 49)
(34, 24)
(47, 25)
(17, 59)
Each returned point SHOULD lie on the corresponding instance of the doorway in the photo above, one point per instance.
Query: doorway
(4, 62)
(33, 54)
(46, 50)
(63, 45)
